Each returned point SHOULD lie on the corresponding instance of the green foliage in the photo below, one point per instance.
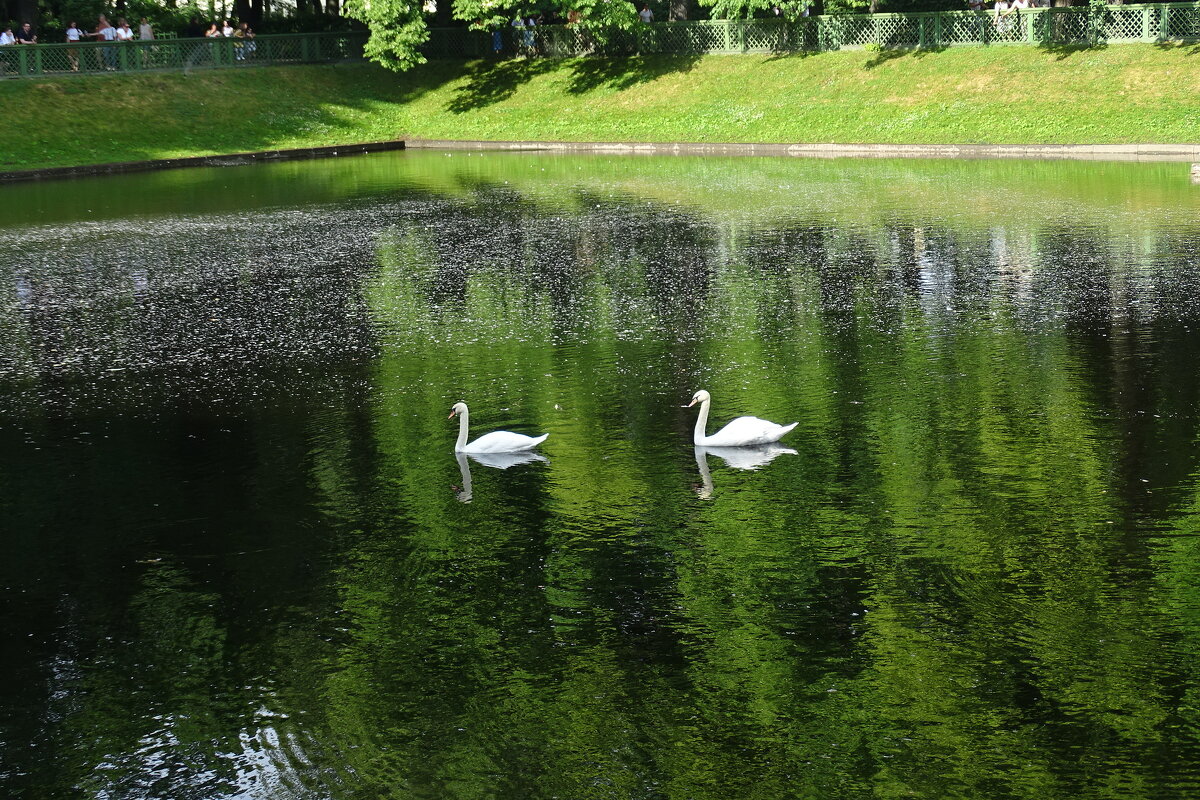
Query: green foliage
(489, 14)
(397, 29)
(599, 15)
(736, 9)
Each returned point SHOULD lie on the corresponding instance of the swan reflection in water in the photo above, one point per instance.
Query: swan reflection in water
(747, 458)
(493, 460)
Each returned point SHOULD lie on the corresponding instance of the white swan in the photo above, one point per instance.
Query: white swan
(741, 432)
(494, 442)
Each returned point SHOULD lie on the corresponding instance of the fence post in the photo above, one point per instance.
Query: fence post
(1164, 25)
(937, 31)
(304, 48)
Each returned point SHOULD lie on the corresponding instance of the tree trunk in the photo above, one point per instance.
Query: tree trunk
(27, 12)
(679, 11)
(443, 17)
(241, 9)
(332, 8)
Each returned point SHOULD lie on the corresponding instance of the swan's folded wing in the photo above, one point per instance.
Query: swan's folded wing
(745, 431)
(504, 442)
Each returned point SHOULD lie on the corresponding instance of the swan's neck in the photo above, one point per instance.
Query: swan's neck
(465, 469)
(462, 432)
(701, 424)
(706, 489)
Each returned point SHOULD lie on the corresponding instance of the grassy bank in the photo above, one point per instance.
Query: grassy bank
(1127, 93)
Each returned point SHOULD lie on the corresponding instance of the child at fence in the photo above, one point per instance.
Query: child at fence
(73, 37)
(244, 47)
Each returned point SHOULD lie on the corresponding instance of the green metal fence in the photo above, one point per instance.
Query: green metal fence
(1045, 27)
(178, 54)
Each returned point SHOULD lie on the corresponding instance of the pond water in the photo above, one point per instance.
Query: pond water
(242, 561)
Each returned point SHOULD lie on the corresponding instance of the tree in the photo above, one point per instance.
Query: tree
(734, 9)
(398, 27)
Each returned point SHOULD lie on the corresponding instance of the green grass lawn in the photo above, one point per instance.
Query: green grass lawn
(1126, 93)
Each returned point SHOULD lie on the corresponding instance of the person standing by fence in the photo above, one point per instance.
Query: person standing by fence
(7, 61)
(25, 34)
(106, 32)
(244, 46)
(73, 37)
(145, 32)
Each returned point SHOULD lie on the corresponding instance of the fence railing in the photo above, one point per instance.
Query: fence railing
(178, 54)
(934, 30)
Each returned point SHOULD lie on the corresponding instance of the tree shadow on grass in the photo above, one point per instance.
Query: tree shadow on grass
(625, 73)
(1185, 48)
(783, 55)
(491, 82)
(1062, 52)
(882, 57)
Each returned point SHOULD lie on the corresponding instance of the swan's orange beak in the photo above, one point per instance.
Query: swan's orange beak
(451, 415)
(689, 405)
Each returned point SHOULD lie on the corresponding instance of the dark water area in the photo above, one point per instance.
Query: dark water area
(241, 559)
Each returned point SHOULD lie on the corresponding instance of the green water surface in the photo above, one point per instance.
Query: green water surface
(242, 561)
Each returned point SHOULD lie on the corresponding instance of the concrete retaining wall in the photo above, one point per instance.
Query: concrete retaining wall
(1089, 152)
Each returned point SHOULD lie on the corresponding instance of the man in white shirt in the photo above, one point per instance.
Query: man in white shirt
(647, 16)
